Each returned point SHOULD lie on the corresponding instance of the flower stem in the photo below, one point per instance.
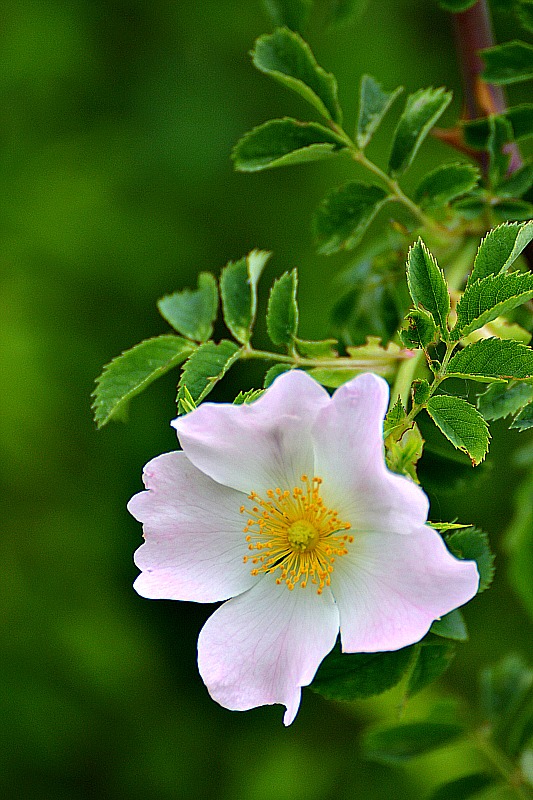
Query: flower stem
(340, 362)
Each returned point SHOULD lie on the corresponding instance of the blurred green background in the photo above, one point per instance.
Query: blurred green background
(117, 118)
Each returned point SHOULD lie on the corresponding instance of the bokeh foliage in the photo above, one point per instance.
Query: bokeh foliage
(117, 122)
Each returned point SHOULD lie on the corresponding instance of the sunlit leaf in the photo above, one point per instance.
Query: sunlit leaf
(374, 102)
(427, 284)
(238, 289)
(462, 424)
(282, 143)
(282, 313)
(492, 359)
(500, 248)
(422, 110)
(288, 59)
(488, 298)
(207, 365)
(192, 312)
(130, 373)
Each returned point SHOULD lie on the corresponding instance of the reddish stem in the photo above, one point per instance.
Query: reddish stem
(473, 32)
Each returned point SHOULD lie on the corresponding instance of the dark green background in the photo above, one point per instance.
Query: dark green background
(117, 118)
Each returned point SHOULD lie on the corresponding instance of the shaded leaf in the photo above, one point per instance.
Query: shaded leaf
(344, 214)
(445, 183)
(192, 312)
(512, 210)
(427, 284)
(238, 289)
(502, 399)
(500, 248)
(456, 5)
(273, 372)
(288, 59)
(341, 12)
(293, 14)
(282, 313)
(422, 110)
(464, 788)
(451, 626)
(473, 544)
(461, 424)
(130, 373)
(402, 742)
(349, 676)
(524, 11)
(433, 658)
(518, 183)
(476, 132)
(500, 132)
(282, 143)
(519, 545)
(510, 62)
(317, 349)
(492, 359)
(524, 420)
(488, 298)
(374, 102)
(207, 365)
(504, 686)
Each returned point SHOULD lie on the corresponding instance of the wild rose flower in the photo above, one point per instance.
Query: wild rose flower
(286, 506)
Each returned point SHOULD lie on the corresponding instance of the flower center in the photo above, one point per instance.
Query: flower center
(295, 533)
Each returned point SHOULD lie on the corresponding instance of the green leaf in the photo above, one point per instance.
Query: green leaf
(238, 289)
(512, 210)
(519, 545)
(288, 59)
(500, 248)
(395, 417)
(510, 62)
(451, 626)
(341, 12)
(282, 143)
(421, 330)
(492, 359)
(445, 183)
(403, 453)
(502, 399)
(344, 215)
(490, 297)
(248, 396)
(293, 14)
(524, 11)
(282, 313)
(349, 676)
(504, 686)
(472, 544)
(463, 788)
(524, 420)
(456, 5)
(192, 313)
(273, 372)
(130, 373)
(401, 742)
(207, 365)
(518, 183)
(374, 102)
(476, 133)
(461, 424)
(427, 284)
(500, 134)
(433, 658)
(422, 110)
(318, 349)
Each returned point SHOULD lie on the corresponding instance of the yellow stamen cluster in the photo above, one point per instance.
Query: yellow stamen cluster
(295, 533)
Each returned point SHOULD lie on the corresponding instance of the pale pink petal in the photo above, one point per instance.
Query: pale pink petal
(348, 435)
(195, 542)
(261, 647)
(256, 446)
(390, 588)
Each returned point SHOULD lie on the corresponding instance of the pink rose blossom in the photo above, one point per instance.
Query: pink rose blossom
(285, 509)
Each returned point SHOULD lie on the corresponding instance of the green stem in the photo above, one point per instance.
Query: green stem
(341, 362)
(501, 764)
(404, 378)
